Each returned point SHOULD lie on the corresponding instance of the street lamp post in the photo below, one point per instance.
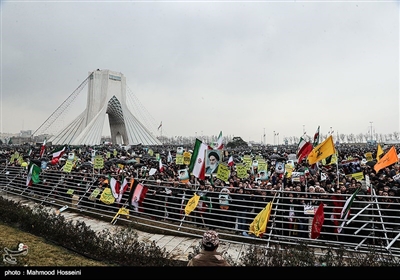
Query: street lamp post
(278, 138)
(264, 136)
(274, 137)
(371, 130)
(276, 134)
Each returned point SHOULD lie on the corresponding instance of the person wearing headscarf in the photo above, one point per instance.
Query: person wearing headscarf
(209, 256)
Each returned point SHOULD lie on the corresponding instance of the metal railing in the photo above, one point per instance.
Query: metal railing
(373, 221)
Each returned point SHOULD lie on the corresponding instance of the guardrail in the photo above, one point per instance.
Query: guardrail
(373, 221)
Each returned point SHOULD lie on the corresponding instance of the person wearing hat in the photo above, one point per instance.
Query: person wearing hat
(213, 162)
(209, 256)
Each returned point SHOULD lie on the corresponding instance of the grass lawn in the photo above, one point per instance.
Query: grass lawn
(40, 252)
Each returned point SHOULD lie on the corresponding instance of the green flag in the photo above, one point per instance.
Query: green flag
(33, 174)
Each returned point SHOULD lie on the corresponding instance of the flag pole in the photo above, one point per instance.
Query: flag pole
(391, 243)
(355, 216)
(337, 170)
(181, 222)
(380, 214)
(273, 221)
(363, 226)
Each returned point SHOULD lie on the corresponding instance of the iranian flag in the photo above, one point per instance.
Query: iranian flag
(219, 145)
(43, 148)
(33, 174)
(230, 161)
(197, 164)
(57, 153)
(124, 186)
(114, 185)
(346, 209)
(316, 138)
(160, 166)
(304, 148)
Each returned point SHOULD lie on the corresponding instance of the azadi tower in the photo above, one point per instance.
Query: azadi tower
(106, 95)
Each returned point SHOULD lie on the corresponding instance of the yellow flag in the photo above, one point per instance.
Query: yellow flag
(192, 203)
(259, 224)
(330, 160)
(379, 152)
(368, 156)
(107, 196)
(323, 150)
(121, 211)
(388, 159)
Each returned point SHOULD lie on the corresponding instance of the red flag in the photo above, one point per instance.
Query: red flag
(114, 185)
(318, 221)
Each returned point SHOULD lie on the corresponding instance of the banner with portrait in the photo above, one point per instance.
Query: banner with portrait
(183, 175)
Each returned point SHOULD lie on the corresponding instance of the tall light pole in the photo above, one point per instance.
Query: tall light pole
(274, 137)
(371, 130)
(264, 136)
(276, 134)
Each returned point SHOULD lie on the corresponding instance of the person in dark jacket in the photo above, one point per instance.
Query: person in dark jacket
(242, 205)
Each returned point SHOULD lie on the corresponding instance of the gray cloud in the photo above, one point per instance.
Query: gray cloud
(204, 67)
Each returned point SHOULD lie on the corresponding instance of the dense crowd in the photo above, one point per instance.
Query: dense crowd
(239, 199)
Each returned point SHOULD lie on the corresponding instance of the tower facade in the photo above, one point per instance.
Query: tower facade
(106, 95)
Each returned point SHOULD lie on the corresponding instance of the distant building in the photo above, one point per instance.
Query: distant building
(25, 133)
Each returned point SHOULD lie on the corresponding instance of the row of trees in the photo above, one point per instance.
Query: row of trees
(291, 140)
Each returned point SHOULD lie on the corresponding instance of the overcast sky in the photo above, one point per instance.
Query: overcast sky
(204, 67)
